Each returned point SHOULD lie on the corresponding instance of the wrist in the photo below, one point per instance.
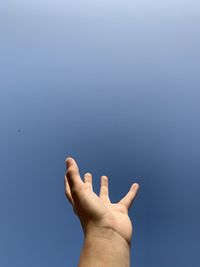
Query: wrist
(109, 229)
(107, 234)
(104, 247)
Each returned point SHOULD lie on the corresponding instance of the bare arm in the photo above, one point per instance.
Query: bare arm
(107, 227)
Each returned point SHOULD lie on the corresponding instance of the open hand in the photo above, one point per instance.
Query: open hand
(96, 211)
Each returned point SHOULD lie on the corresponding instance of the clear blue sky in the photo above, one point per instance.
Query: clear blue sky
(116, 85)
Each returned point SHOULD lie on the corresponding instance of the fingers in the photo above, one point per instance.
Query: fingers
(130, 196)
(88, 180)
(73, 176)
(104, 192)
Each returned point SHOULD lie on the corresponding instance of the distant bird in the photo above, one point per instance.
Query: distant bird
(19, 130)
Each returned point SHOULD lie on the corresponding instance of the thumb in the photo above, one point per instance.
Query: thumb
(73, 176)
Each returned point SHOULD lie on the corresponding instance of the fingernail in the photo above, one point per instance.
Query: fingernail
(134, 186)
(69, 161)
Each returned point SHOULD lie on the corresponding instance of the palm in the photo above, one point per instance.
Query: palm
(95, 209)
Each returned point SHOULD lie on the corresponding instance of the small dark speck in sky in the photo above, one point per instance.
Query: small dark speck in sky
(19, 130)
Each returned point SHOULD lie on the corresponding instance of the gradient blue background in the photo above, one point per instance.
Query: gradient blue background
(115, 84)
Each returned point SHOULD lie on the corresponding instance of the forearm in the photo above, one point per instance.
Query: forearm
(104, 248)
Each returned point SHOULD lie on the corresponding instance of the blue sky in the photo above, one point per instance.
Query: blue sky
(115, 84)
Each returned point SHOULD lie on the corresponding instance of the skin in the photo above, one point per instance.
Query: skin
(105, 224)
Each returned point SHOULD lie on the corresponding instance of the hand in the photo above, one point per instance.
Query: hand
(97, 212)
